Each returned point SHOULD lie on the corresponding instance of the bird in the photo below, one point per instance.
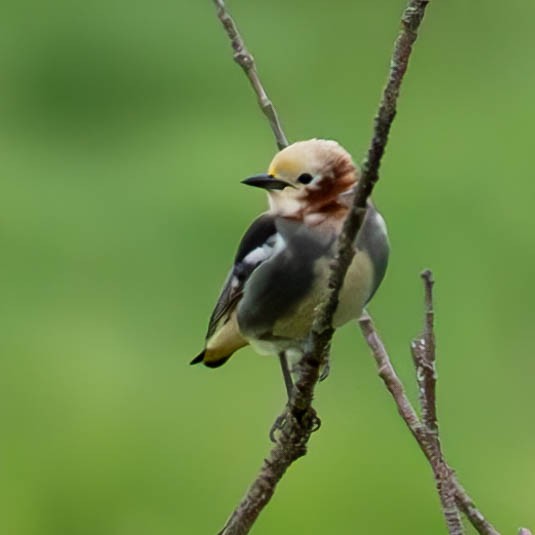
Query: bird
(282, 264)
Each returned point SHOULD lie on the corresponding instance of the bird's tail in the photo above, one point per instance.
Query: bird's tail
(221, 344)
(199, 358)
(210, 362)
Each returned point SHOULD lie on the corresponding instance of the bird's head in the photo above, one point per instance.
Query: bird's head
(307, 177)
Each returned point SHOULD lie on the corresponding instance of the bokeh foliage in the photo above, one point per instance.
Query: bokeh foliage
(125, 129)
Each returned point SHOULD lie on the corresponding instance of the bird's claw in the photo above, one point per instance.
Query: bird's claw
(316, 422)
(277, 426)
(310, 420)
(326, 369)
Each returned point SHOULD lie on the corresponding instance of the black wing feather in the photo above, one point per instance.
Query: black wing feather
(261, 231)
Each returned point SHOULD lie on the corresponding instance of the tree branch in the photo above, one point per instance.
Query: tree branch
(299, 416)
(425, 431)
(419, 431)
(246, 61)
(423, 353)
(410, 22)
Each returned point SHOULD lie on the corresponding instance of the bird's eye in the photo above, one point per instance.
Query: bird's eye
(305, 178)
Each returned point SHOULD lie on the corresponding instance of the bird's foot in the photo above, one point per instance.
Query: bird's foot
(309, 420)
(314, 420)
(325, 370)
(278, 425)
(325, 363)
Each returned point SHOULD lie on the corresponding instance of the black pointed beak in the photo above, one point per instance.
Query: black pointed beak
(268, 182)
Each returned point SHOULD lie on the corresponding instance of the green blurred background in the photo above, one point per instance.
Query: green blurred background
(125, 129)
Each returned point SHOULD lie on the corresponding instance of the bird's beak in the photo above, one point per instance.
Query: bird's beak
(268, 182)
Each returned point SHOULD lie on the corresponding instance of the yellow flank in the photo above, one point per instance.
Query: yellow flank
(353, 296)
(356, 289)
(224, 341)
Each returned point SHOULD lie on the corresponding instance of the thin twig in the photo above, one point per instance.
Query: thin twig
(452, 495)
(424, 355)
(300, 417)
(426, 442)
(246, 61)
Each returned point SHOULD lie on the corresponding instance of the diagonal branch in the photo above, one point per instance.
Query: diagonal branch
(425, 432)
(300, 418)
(410, 22)
(246, 61)
(452, 495)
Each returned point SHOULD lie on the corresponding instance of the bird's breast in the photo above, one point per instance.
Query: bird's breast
(289, 327)
(281, 296)
(296, 324)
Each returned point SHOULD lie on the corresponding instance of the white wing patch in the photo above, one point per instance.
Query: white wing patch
(273, 245)
(259, 254)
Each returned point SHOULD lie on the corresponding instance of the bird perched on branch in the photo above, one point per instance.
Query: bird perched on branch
(281, 268)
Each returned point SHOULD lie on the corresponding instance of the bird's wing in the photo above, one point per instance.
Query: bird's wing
(255, 248)
(373, 240)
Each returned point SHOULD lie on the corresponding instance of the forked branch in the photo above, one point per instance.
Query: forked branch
(425, 429)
